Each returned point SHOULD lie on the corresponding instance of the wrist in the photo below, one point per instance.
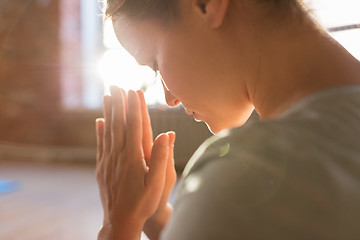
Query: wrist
(127, 230)
(161, 214)
(156, 223)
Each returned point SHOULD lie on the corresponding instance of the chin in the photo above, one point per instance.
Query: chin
(213, 128)
(217, 128)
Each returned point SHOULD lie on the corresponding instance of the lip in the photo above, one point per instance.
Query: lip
(187, 110)
(191, 113)
(197, 119)
(195, 116)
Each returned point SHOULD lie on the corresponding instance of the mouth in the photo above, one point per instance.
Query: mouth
(191, 113)
(196, 118)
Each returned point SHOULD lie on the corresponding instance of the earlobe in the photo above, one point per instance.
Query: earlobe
(213, 11)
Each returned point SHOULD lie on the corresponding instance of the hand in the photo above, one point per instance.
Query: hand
(170, 177)
(154, 225)
(131, 170)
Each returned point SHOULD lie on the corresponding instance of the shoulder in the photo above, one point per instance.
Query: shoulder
(226, 181)
(321, 123)
(275, 175)
(255, 140)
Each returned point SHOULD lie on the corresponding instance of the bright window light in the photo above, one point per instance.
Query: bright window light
(332, 13)
(118, 67)
(337, 14)
(350, 39)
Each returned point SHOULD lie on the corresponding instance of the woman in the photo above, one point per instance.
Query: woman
(293, 175)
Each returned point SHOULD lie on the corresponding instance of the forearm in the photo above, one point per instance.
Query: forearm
(154, 225)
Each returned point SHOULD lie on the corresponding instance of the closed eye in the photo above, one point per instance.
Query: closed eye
(155, 68)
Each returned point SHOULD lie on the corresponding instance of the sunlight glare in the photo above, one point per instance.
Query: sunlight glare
(335, 13)
(117, 67)
(350, 40)
(332, 13)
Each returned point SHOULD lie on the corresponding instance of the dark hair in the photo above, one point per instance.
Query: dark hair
(165, 10)
(281, 8)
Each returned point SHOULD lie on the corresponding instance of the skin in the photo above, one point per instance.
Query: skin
(184, 78)
(220, 64)
(126, 151)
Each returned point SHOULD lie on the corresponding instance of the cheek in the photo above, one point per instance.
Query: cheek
(185, 71)
(181, 75)
(173, 76)
(178, 63)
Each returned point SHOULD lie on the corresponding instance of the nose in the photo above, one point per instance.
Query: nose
(171, 100)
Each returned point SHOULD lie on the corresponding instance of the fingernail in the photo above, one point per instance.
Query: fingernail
(99, 120)
(172, 137)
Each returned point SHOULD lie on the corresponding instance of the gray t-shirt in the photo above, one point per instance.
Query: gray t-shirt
(296, 178)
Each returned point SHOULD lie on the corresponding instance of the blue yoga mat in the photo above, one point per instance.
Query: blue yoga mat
(7, 186)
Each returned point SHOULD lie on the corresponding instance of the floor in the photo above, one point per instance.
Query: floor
(49, 201)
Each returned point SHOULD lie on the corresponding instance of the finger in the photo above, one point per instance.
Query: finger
(118, 119)
(107, 102)
(170, 166)
(155, 178)
(147, 139)
(134, 123)
(172, 137)
(99, 138)
(125, 97)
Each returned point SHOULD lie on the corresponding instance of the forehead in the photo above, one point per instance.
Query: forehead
(139, 38)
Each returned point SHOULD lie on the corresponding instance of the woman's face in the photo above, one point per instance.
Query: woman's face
(192, 69)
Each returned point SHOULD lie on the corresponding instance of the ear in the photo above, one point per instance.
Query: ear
(213, 11)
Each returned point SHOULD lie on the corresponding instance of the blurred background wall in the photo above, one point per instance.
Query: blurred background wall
(29, 72)
(41, 86)
(31, 111)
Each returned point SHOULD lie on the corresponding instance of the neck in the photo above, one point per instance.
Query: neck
(295, 62)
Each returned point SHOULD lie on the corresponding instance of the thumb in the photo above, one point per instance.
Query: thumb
(156, 175)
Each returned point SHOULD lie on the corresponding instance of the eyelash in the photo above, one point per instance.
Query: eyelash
(155, 67)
